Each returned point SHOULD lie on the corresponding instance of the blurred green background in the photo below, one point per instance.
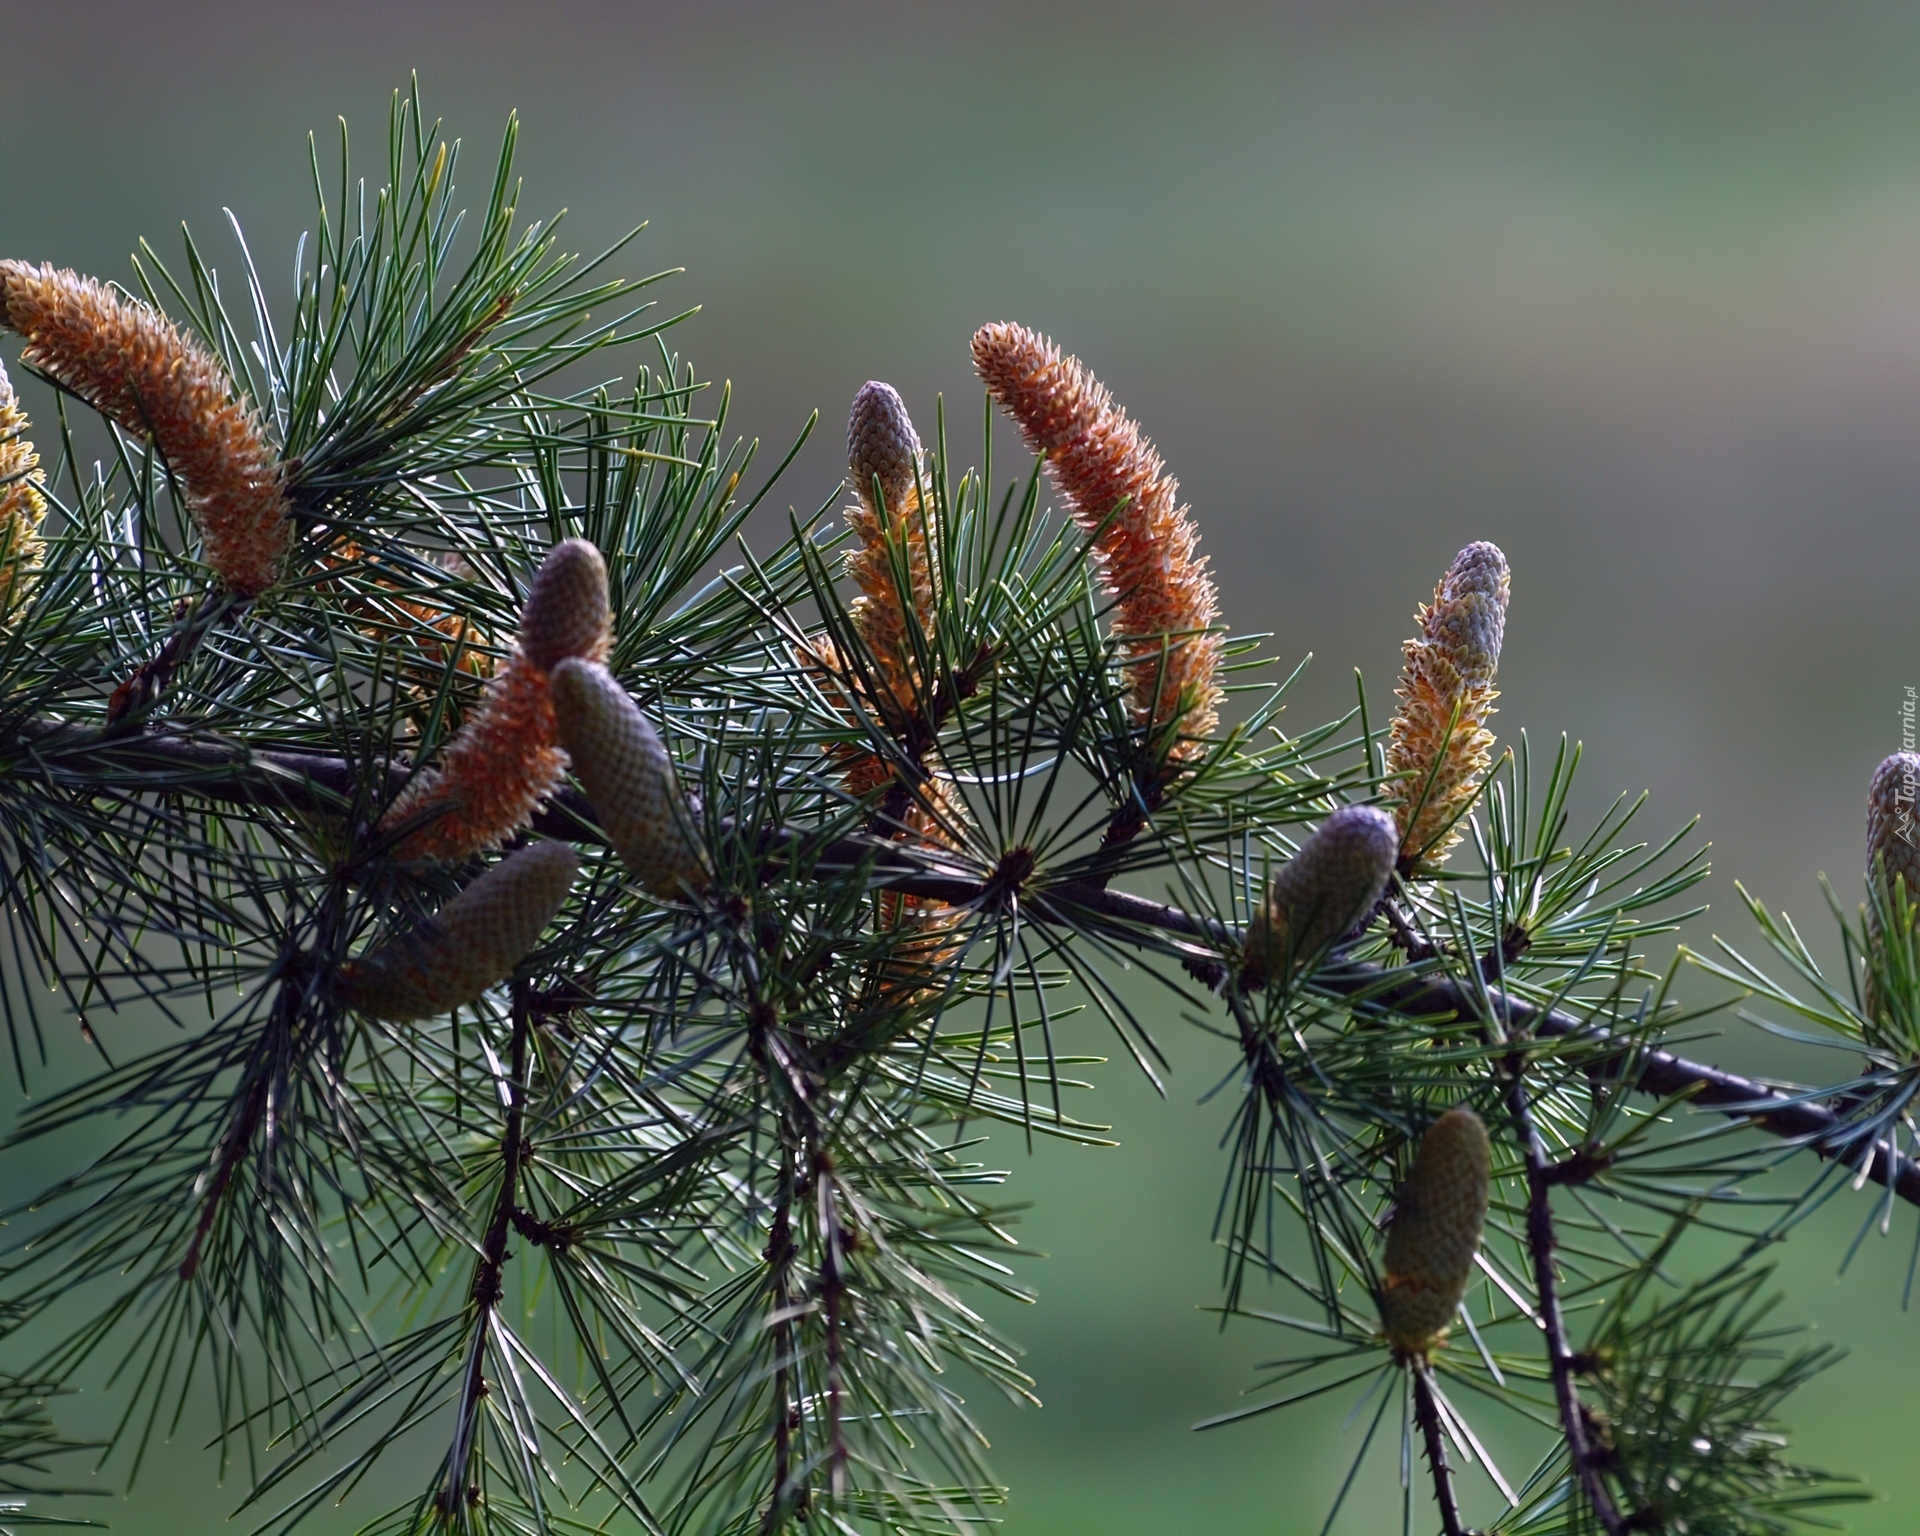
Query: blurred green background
(1632, 289)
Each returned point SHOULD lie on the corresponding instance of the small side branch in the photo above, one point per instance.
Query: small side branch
(1546, 1281)
(1426, 1413)
(488, 1284)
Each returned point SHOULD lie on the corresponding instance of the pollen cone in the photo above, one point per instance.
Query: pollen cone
(470, 944)
(1893, 845)
(1438, 1215)
(884, 449)
(138, 369)
(21, 506)
(628, 776)
(506, 759)
(1439, 749)
(1322, 891)
(1117, 488)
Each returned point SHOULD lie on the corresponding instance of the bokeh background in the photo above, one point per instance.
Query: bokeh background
(1632, 289)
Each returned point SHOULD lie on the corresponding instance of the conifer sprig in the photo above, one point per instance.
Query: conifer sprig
(843, 881)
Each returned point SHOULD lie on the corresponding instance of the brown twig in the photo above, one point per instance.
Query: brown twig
(1546, 1284)
(1426, 1411)
(488, 1284)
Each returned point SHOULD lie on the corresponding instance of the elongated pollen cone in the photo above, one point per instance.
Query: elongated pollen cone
(882, 444)
(22, 506)
(1440, 748)
(1323, 890)
(1438, 1216)
(567, 611)
(470, 944)
(628, 775)
(134, 366)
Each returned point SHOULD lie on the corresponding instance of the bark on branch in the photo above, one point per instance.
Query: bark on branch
(312, 782)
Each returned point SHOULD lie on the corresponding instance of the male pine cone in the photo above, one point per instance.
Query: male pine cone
(147, 376)
(470, 944)
(628, 776)
(22, 506)
(1321, 892)
(1440, 748)
(506, 758)
(1438, 1215)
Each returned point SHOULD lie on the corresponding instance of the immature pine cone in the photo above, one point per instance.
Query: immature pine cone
(1321, 892)
(506, 759)
(138, 369)
(1099, 458)
(1438, 756)
(1438, 1215)
(1893, 843)
(470, 944)
(882, 445)
(628, 776)
(21, 506)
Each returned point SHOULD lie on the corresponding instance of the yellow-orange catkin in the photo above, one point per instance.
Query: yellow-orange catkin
(506, 758)
(134, 366)
(470, 944)
(628, 775)
(1438, 1215)
(22, 506)
(1893, 845)
(1439, 747)
(1321, 892)
(1100, 459)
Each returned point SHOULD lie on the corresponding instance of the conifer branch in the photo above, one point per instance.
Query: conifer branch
(322, 783)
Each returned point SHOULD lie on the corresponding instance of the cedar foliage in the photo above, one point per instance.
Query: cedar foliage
(901, 807)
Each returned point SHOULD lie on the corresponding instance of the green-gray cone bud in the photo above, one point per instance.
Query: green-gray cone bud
(1322, 891)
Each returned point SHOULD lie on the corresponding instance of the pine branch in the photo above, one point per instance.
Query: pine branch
(314, 782)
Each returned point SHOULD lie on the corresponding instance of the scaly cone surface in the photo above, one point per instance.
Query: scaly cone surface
(1438, 1215)
(1893, 845)
(629, 777)
(506, 758)
(1439, 748)
(138, 369)
(470, 944)
(1321, 892)
(1100, 459)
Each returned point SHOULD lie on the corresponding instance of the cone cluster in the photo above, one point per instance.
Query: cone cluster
(1438, 1215)
(506, 759)
(1893, 846)
(1116, 486)
(22, 506)
(894, 528)
(1320, 893)
(140, 371)
(1440, 748)
(470, 944)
